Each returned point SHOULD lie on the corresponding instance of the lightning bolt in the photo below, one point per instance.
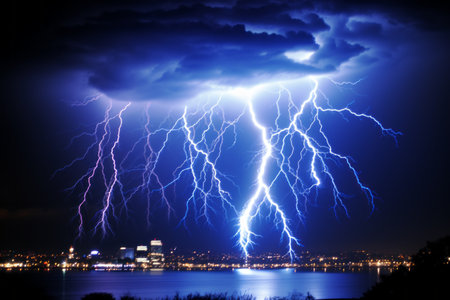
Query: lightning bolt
(203, 129)
(102, 133)
(315, 148)
(103, 222)
(148, 171)
(294, 152)
(262, 191)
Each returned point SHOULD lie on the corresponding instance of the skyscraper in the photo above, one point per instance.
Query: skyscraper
(156, 254)
(141, 254)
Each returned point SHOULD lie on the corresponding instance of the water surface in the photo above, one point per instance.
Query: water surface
(72, 285)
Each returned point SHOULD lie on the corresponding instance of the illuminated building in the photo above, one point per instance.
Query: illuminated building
(141, 254)
(71, 253)
(156, 254)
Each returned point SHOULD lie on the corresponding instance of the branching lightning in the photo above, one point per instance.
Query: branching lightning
(103, 222)
(314, 147)
(295, 151)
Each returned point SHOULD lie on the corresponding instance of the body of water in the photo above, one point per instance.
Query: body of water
(72, 285)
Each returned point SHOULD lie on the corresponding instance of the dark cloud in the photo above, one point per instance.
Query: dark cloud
(150, 60)
(177, 53)
(364, 29)
(428, 15)
(177, 50)
(360, 30)
(166, 50)
(335, 51)
(269, 17)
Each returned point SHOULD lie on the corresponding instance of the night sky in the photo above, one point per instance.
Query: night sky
(58, 54)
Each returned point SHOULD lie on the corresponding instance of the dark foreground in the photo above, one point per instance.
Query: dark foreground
(224, 296)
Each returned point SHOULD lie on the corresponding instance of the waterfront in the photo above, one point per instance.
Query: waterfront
(71, 285)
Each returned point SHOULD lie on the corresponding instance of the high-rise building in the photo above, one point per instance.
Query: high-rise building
(126, 254)
(71, 253)
(141, 254)
(156, 254)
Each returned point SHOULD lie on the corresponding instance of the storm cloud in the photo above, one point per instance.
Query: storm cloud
(180, 51)
(172, 50)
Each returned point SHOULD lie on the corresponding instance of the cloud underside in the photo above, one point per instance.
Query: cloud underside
(180, 52)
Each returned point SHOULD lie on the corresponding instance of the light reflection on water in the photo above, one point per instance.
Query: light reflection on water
(260, 283)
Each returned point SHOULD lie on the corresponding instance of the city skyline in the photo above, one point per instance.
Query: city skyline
(154, 257)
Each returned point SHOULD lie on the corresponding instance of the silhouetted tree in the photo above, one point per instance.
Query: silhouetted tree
(428, 277)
